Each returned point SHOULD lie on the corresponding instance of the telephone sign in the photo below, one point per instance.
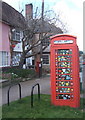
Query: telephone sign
(63, 41)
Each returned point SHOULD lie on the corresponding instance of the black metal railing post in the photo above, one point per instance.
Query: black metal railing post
(19, 90)
(32, 93)
(9, 91)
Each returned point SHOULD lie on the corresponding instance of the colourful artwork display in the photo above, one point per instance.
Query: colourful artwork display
(64, 90)
(64, 70)
(64, 83)
(64, 64)
(64, 58)
(63, 77)
(64, 52)
(63, 61)
(64, 96)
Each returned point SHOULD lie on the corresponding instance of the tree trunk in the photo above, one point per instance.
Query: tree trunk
(22, 59)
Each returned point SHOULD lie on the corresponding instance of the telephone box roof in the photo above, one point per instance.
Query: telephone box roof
(61, 35)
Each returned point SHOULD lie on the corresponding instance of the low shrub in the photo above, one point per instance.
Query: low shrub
(23, 73)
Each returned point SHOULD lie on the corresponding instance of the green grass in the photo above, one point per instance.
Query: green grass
(41, 109)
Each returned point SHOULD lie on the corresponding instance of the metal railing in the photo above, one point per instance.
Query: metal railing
(9, 91)
(32, 93)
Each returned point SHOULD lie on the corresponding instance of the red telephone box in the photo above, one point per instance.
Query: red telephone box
(64, 58)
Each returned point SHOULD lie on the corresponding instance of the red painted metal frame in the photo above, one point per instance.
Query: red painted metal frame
(75, 102)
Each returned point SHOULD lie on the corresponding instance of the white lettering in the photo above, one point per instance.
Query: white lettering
(63, 42)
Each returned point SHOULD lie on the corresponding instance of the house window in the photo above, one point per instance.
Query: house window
(16, 58)
(45, 59)
(46, 42)
(5, 58)
(16, 35)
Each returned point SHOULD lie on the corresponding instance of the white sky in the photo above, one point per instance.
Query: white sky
(70, 11)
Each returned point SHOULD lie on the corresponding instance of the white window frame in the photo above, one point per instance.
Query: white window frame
(16, 58)
(15, 33)
(5, 58)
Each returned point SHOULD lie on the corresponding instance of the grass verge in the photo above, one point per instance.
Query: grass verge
(41, 109)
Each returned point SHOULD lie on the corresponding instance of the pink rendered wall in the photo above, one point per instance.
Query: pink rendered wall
(4, 38)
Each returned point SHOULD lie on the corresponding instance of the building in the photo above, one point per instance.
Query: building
(12, 24)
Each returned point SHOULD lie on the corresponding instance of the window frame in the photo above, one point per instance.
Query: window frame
(5, 58)
(16, 33)
(16, 58)
(45, 58)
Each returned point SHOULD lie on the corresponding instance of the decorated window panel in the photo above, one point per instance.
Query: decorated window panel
(64, 64)
(63, 77)
(63, 52)
(64, 89)
(64, 96)
(63, 70)
(64, 58)
(64, 83)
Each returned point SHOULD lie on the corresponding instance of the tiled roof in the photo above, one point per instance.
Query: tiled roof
(11, 16)
(47, 27)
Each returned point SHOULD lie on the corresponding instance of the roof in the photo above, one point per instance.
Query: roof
(11, 16)
(61, 35)
(47, 27)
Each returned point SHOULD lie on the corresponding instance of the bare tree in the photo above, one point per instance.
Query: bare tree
(32, 38)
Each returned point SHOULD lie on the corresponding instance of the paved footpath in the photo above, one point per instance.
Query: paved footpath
(26, 89)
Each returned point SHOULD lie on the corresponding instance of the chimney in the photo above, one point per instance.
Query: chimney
(29, 11)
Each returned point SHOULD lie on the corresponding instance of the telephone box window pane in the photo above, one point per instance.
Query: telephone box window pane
(64, 64)
(64, 58)
(64, 96)
(64, 51)
(64, 90)
(64, 77)
(64, 71)
(64, 83)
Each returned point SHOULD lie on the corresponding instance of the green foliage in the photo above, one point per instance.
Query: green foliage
(23, 73)
(42, 109)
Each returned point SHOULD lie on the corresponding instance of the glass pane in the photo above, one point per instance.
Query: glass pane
(63, 71)
(64, 77)
(64, 64)
(64, 58)
(65, 51)
(45, 59)
(64, 83)
(18, 37)
(64, 90)
(64, 96)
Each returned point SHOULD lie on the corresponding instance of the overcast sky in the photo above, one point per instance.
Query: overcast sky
(70, 11)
